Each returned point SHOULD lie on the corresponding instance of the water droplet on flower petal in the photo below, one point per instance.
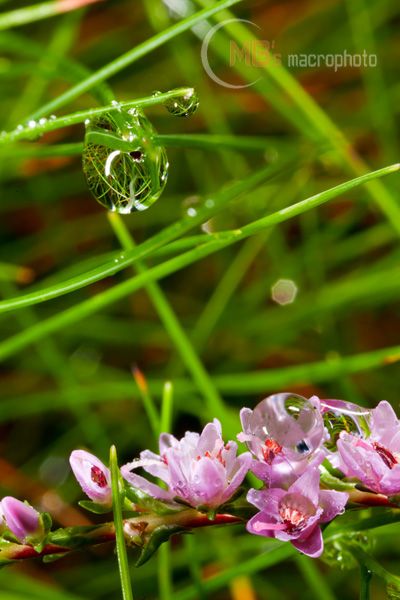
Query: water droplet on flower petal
(291, 421)
(339, 415)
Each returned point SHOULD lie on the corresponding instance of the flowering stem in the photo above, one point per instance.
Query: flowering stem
(119, 528)
(370, 499)
(65, 540)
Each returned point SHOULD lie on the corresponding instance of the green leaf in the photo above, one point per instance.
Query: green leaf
(98, 509)
(145, 501)
(160, 535)
(334, 483)
(49, 558)
(47, 521)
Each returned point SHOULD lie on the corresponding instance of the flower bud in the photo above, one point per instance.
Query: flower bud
(92, 475)
(22, 520)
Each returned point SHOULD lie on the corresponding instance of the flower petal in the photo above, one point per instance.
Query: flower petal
(307, 485)
(260, 525)
(139, 482)
(333, 503)
(210, 437)
(208, 482)
(313, 545)
(243, 463)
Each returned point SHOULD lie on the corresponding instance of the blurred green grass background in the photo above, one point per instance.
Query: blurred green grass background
(221, 335)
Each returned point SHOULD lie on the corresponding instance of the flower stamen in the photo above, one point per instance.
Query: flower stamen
(388, 458)
(270, 449)
(97, 476)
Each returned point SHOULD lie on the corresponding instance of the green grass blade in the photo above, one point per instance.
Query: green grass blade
(37, 12)
(264, 560)
(130, 57)
(93, 305)
(172, 325)
(126, 259)
(119, 528)
(316, 582)
(42, 126)
(308, 115)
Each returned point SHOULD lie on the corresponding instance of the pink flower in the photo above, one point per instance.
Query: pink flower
(295, 514)
(284, 432)
(374, 460)
(93, 476)
(21, 519)
(199, 468)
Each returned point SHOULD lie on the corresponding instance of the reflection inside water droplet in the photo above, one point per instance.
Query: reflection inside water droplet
(184, 105)
(339, 415)
(125, 170)
(290, 420)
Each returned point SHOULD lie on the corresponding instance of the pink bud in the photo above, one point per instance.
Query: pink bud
(92, 475)
(20, 518)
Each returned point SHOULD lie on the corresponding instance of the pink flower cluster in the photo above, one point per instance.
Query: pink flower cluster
(289, 438)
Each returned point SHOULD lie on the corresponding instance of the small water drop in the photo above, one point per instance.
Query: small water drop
(209, 203)
(32, 124)
(42, 121)
(20, 127)
(52, 117)
(183, 106)
(191, 212)
(116, 105)
(87, 122)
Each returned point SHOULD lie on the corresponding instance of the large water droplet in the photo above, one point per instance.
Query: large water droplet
(291, 421)
(124, 169)
(183, 106)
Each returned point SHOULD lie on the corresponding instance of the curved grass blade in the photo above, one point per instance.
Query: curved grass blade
(218, 241)
(128, 258)
(130, 57)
